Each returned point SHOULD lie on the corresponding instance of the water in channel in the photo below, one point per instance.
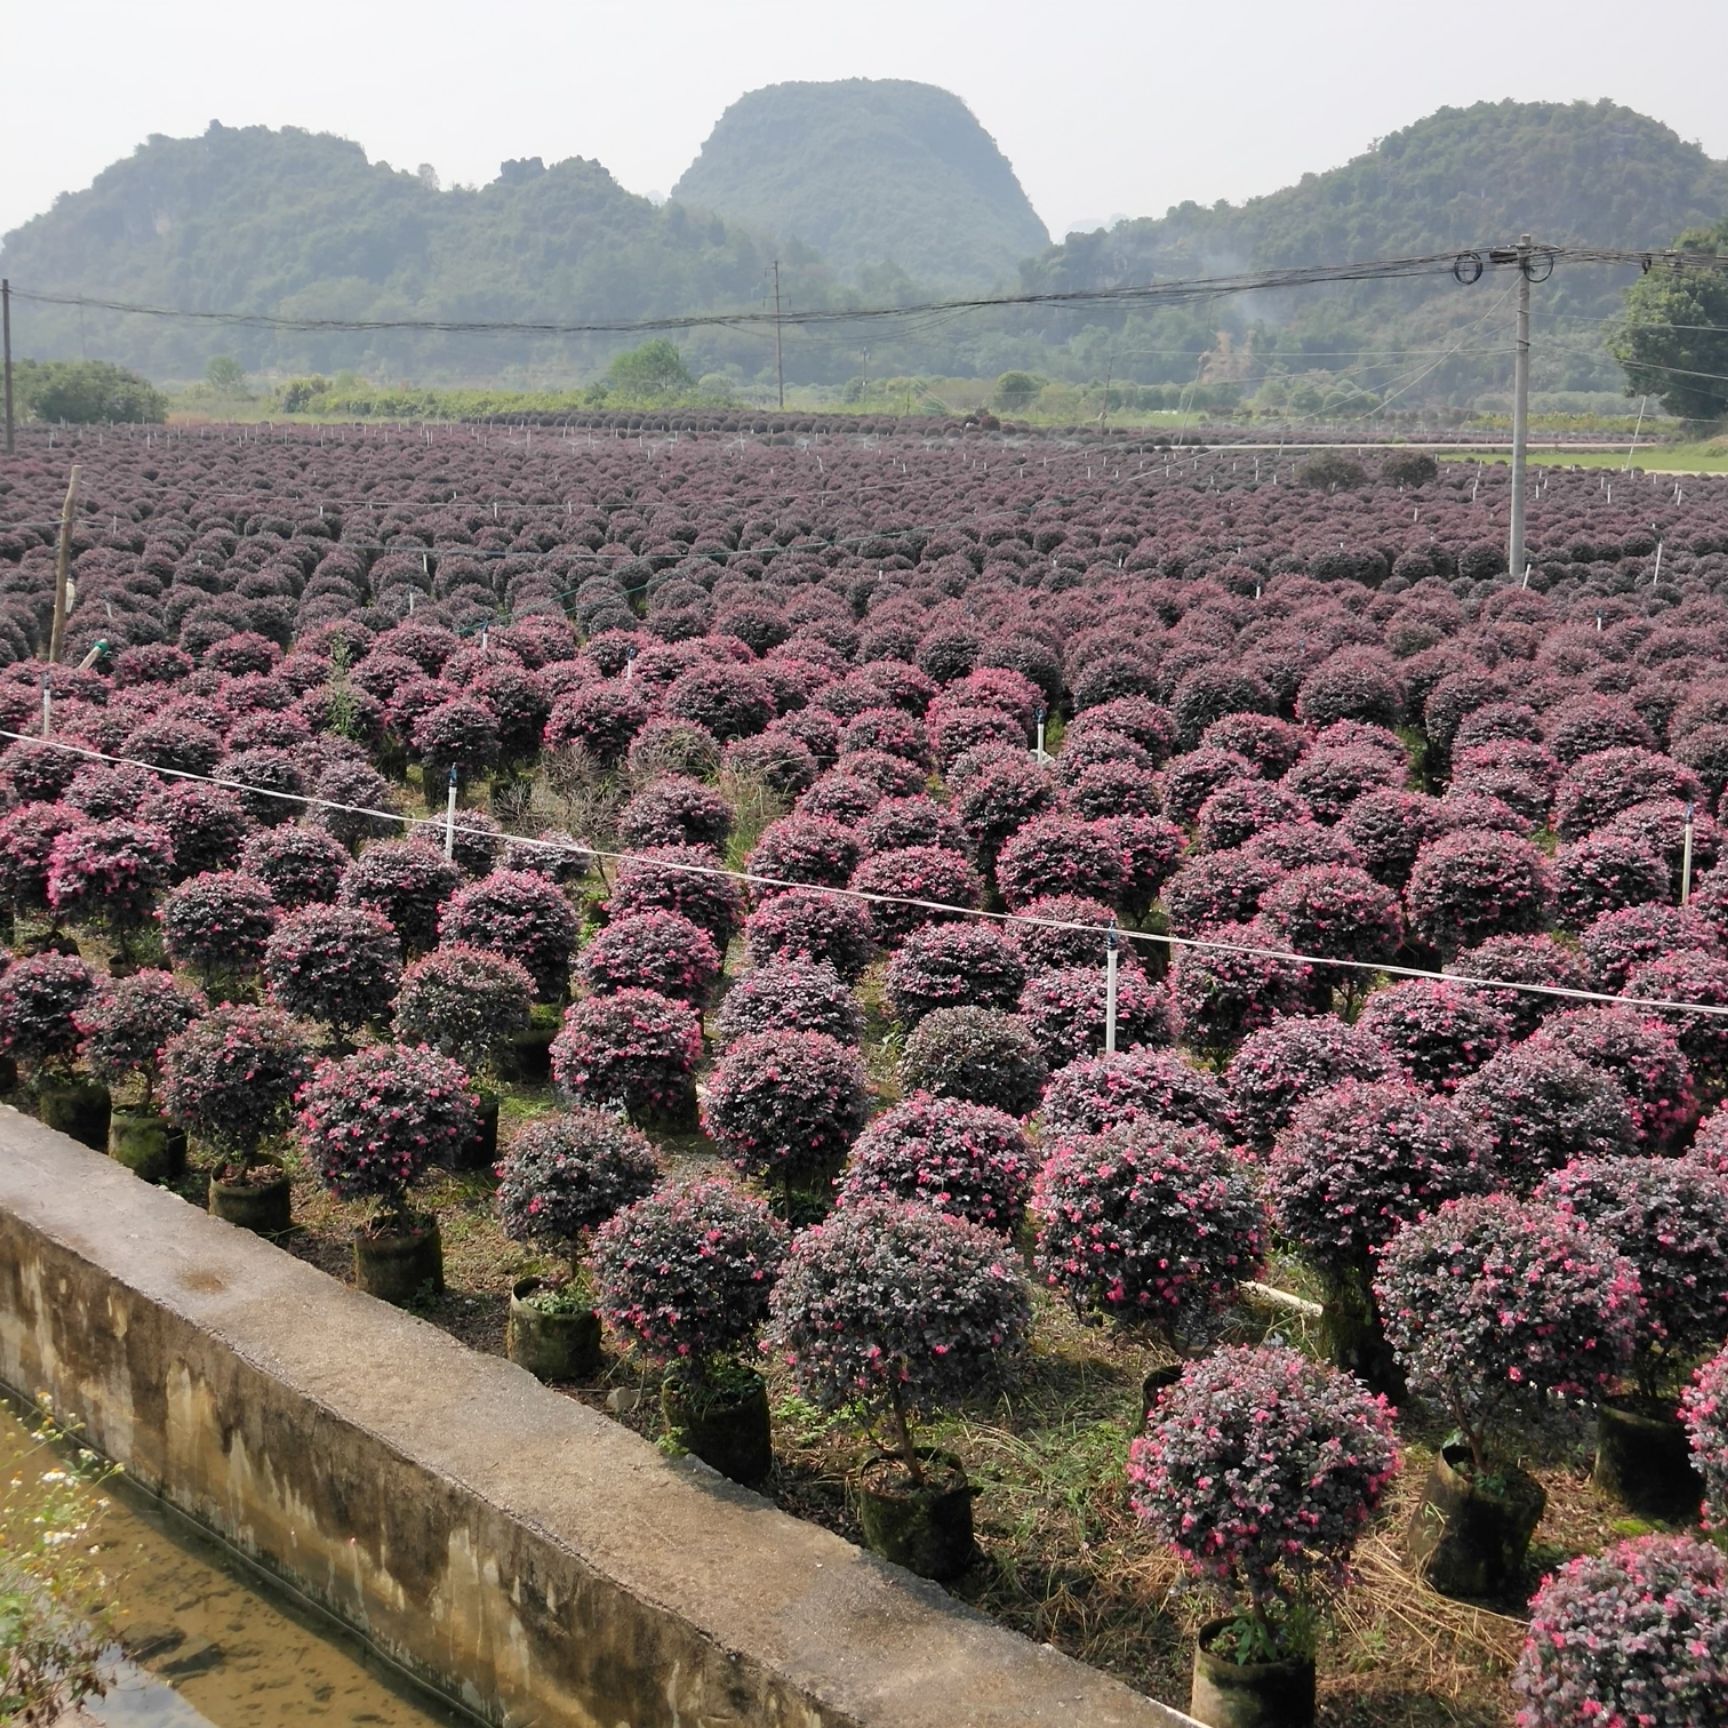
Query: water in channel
(204, 1640)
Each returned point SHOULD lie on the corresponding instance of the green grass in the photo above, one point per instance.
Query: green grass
(1705, 457)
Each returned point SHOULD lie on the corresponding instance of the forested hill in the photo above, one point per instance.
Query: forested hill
(870, 172)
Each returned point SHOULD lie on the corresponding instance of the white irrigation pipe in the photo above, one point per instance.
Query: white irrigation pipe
(1198, 944)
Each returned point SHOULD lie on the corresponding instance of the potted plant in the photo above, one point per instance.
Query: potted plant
(563, 1177)
(470, 1005)
(218, 923)
(1493, 1305)
(635, 1050)
(229, 1080)
(408, 881)
(38, 1000)
(1260, 1468)
(1636, 1635)
(521, 914)
(336, 964)
(893, 1308)
(684, 1275)
(124, 1029)
(112, 872)
(1669, 1217)
(372, 1122)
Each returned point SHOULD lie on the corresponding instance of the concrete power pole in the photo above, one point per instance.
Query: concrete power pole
(779, 365)
(1515, 557)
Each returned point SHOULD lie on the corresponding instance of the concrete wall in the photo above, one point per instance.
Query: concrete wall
(520, 1550)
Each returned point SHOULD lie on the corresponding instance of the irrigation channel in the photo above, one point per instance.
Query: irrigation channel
(204, 1639)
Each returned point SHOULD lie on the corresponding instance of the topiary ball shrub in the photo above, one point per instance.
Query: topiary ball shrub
(969, 964)
(564, 1175)
(802, 850)
(1337, 913)
(1388, 829)
(1065, 1012)
(900, 1307)
(373, 1121)
(1150, 1222)
(1636, 1635)
(674, 811)
(731, 701)
(978, 1054)
(1060, 855)
(1330, 780)
(37, 773)
(1618, 941)
(300, 866)
(966, 1159)
(912, 888)
(206, 825)
(1234, 982)
(337, 964)
(1698, 979)
(1191, 782)
(1598, 787)
(1537, 960)
(39, 1000)
(1060, 930)
(1002, 798)
(1103, 1092)
(476, 840)
(1151, 849)
(1216, 888)
(459, 734)
(1494, 1304)
(112, 872)
(230, 1078)
(790, 996)
(406, 882)
(1260, 1468)
(634, 1050)
(520, 915)
(28, 835)
(1704, 1410)
(1472, 885)
(1544, 1107)
(1210, 692)
(599, 720)
(785, 1106)
(1641, 1055)
(1603, 873)
(218, 924)
(111, 791)
(1437, 1032)
(897, 823)
(682, 879)
(465, 1003)
(1241, 809)
(806, 924)
(653, 951)
(123, 1028)
(1669, 1217)
(269, 783)
(1288, 1062)
(685, 1273)
(1357, 1162)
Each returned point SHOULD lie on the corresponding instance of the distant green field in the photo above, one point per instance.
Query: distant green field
(1701, 458)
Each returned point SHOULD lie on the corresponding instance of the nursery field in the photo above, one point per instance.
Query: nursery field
(1142, 1031)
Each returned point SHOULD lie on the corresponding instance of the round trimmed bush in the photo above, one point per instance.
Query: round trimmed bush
(1151, 849)
(564, 1175)
(1000, 800)
(1149, 1222)
(729, 700)
(1060, 855)
(1618, 941)
(1700, 979)
(1334, 912)
(465, 1003)
(337, 964)
(685, 1273)
(1603, 873)
(897, 823)
(28, 835)
(1241, 809)
(218, 924)
(802, 850)
(1210, 692)
(124, 1027)
(1216, 888)
(674, 811)
(207, 826)
(970, 964)
(39, 1000)
(978, 1054)
(230, 1077)
(790, 996)
(1544, 1107)
(520, 915)
(1636, 1635)
(1494, 1304)
(406, 882)
(1437, 1032)
(1329, 781)
(925, 874)
(1641, 1055)
(1538, 960)
(110, 871)
(300, 866)
(461, 733)
(962, 1158)
(653, 951)
(373, 1121)
(1469, 886)
(785, 1105)
(682, 879)
(599, 720)
(1233, 984)
(1103, 1092)
(1388, 829)
(1288, 1062)
(635, 1049)
(268, 781)
(1191, 782)
(111, 791)
(807, 924)
(1065, 1012)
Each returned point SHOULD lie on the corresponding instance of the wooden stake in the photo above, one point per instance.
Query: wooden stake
(63, 567)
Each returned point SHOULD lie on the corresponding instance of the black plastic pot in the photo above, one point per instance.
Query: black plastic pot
(1469, 1539)
(925, 1527)
(481, 1152)
(8, 1074)
(728, 1430)
(261, 1199)
(148, 1145)
(1644, 1461)
(400, 1265)
(1227, 1694)
(79, 1109)
(551, 1346)
(532, 1052)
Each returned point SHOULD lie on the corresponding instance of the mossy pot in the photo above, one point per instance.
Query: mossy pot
(150, 1146)
(78, 1108)
(402, 1264)
(924, 1526)
(260, 1199)
(557, 1344)
(1470, 1538)
(727, 1428)
(1644, 1460)
(1230, 1694)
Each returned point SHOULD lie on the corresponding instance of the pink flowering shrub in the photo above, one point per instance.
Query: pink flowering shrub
(39, 1000)
(1603, 873)
(28, 835)
(1388, 829)
(897, 823)
(970, 964)
(1060, 855)
(803, 849)
(1150, 1222)
(1335, 912)
(123, 1027)
(1232, 984)
(1494, 1304)
(218, 924)
(1597, 788)
(1192, 781)
(270, 783)
(1689, 978)
(790, 996)
(1100, 1092)
(840, 797)
(1636, 1635)
(1241, 809)
(520, 915)
(111, 872)
(1001, 799)
(600, 720)
(1538, 960)
(1151, 848)
(1659, 826)
(1618, 941)
(1065, 1012)
(684, 1274)
(1260, 1468)
(1288, 1062)
(1437, 1032)
(465, 1003)
(206, 826)
(687, 880)
(634, 1049)
(1638, 1052)
(653, 951)
(373, 1121)
(731, 701)
(1329, 781)
(300, 866)
(1468, 886)
(406, 882)
(962, 1158)
(564, 1175)
(1209, 692)
(111, 791)
(674, 811)
(979, 1054)
(230, 1077)
(806, 924)
(1704, 1410)
(1152, 727)
(1543, 1107)
(1273, 745)
(785, 1105)
(337, 964)
(1214, 888)
(915, 874)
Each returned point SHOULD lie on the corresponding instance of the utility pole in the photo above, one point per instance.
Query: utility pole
(1520, 413)
(63, 567)
(779, 366)
(6, 345)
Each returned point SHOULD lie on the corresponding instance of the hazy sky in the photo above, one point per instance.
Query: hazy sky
(1104, 107)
